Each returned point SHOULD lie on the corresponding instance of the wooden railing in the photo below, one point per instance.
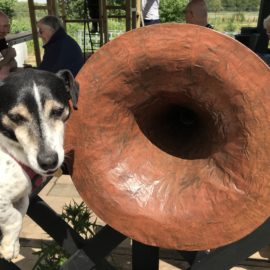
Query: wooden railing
(17, 38)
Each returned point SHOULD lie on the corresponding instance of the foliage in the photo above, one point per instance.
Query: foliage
(21, 9)
(80, 218)
(75, 9)
(8, 6)
(51, 256)
(231, 26)
(232, 21)
(233, 5)
(172, 10)
(215, 5)
(20, 25)
(21, 20)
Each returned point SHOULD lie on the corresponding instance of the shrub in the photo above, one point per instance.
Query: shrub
(51, 256)
(172, 10)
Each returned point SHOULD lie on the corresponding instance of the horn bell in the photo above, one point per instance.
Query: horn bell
(171, 137)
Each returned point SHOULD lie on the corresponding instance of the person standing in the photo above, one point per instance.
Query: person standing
(150, 12)
(7, 53)
(61, 51)
(93, 8)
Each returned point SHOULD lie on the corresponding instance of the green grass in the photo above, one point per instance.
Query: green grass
(232, 21)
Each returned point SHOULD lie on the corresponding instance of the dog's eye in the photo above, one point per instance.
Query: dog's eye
(17, 118)
(57, 112)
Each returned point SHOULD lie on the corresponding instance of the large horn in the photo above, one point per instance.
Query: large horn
(172, 137)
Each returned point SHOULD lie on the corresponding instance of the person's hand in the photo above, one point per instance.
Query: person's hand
(9, 53)
(27, 66)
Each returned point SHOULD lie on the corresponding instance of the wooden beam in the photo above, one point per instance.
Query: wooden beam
(17, 38)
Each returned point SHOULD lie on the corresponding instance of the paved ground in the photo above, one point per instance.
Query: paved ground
(62, 191)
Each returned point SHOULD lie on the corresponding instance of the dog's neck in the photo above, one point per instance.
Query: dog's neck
(16, 151)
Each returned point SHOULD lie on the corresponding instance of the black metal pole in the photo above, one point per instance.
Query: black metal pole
(144, 257)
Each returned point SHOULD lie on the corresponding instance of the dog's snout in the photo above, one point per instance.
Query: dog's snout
(47, 161)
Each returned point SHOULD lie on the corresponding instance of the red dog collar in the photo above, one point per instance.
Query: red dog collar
(36, 179)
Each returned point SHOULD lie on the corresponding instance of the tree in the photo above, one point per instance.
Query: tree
(240, 5)
(172, 10)
(252, 5)
(8, 6)
(214, 5)
(228, 5)
(75, 9)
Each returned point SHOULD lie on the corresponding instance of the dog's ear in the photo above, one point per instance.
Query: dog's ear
(71, 85)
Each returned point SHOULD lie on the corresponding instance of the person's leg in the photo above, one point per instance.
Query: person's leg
(94, 14)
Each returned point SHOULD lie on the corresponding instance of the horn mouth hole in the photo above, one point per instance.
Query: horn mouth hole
(185, 130)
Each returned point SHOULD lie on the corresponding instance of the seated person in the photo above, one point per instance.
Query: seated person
(7, 54)
(196, 13)
(60, 50)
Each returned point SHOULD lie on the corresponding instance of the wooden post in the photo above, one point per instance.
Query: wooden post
(63, 13)
(34, 30)
(52, 7)
(105, 20)
(139, 13)
(128, 15)
(101, 22)
(133, 14)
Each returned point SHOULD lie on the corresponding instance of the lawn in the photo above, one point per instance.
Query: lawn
(232, 21)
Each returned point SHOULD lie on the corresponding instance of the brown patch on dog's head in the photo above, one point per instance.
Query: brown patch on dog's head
(18, 115)
(55, 110)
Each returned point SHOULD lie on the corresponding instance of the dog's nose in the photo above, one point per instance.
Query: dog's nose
(47, 161)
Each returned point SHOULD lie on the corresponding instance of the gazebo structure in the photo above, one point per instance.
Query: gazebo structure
(131, 8)
(253, 37)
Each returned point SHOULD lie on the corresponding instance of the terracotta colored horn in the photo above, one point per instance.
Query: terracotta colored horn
(172, 139)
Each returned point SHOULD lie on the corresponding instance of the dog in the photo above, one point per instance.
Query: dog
(34, 106)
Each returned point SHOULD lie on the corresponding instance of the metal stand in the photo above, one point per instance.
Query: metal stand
(90, 254)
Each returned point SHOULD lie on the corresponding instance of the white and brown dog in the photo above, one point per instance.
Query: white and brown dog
(34, 106)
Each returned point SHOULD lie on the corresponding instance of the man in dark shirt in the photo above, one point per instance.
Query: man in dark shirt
(7, 54)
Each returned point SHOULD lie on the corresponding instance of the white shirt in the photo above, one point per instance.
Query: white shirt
(150, 9)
